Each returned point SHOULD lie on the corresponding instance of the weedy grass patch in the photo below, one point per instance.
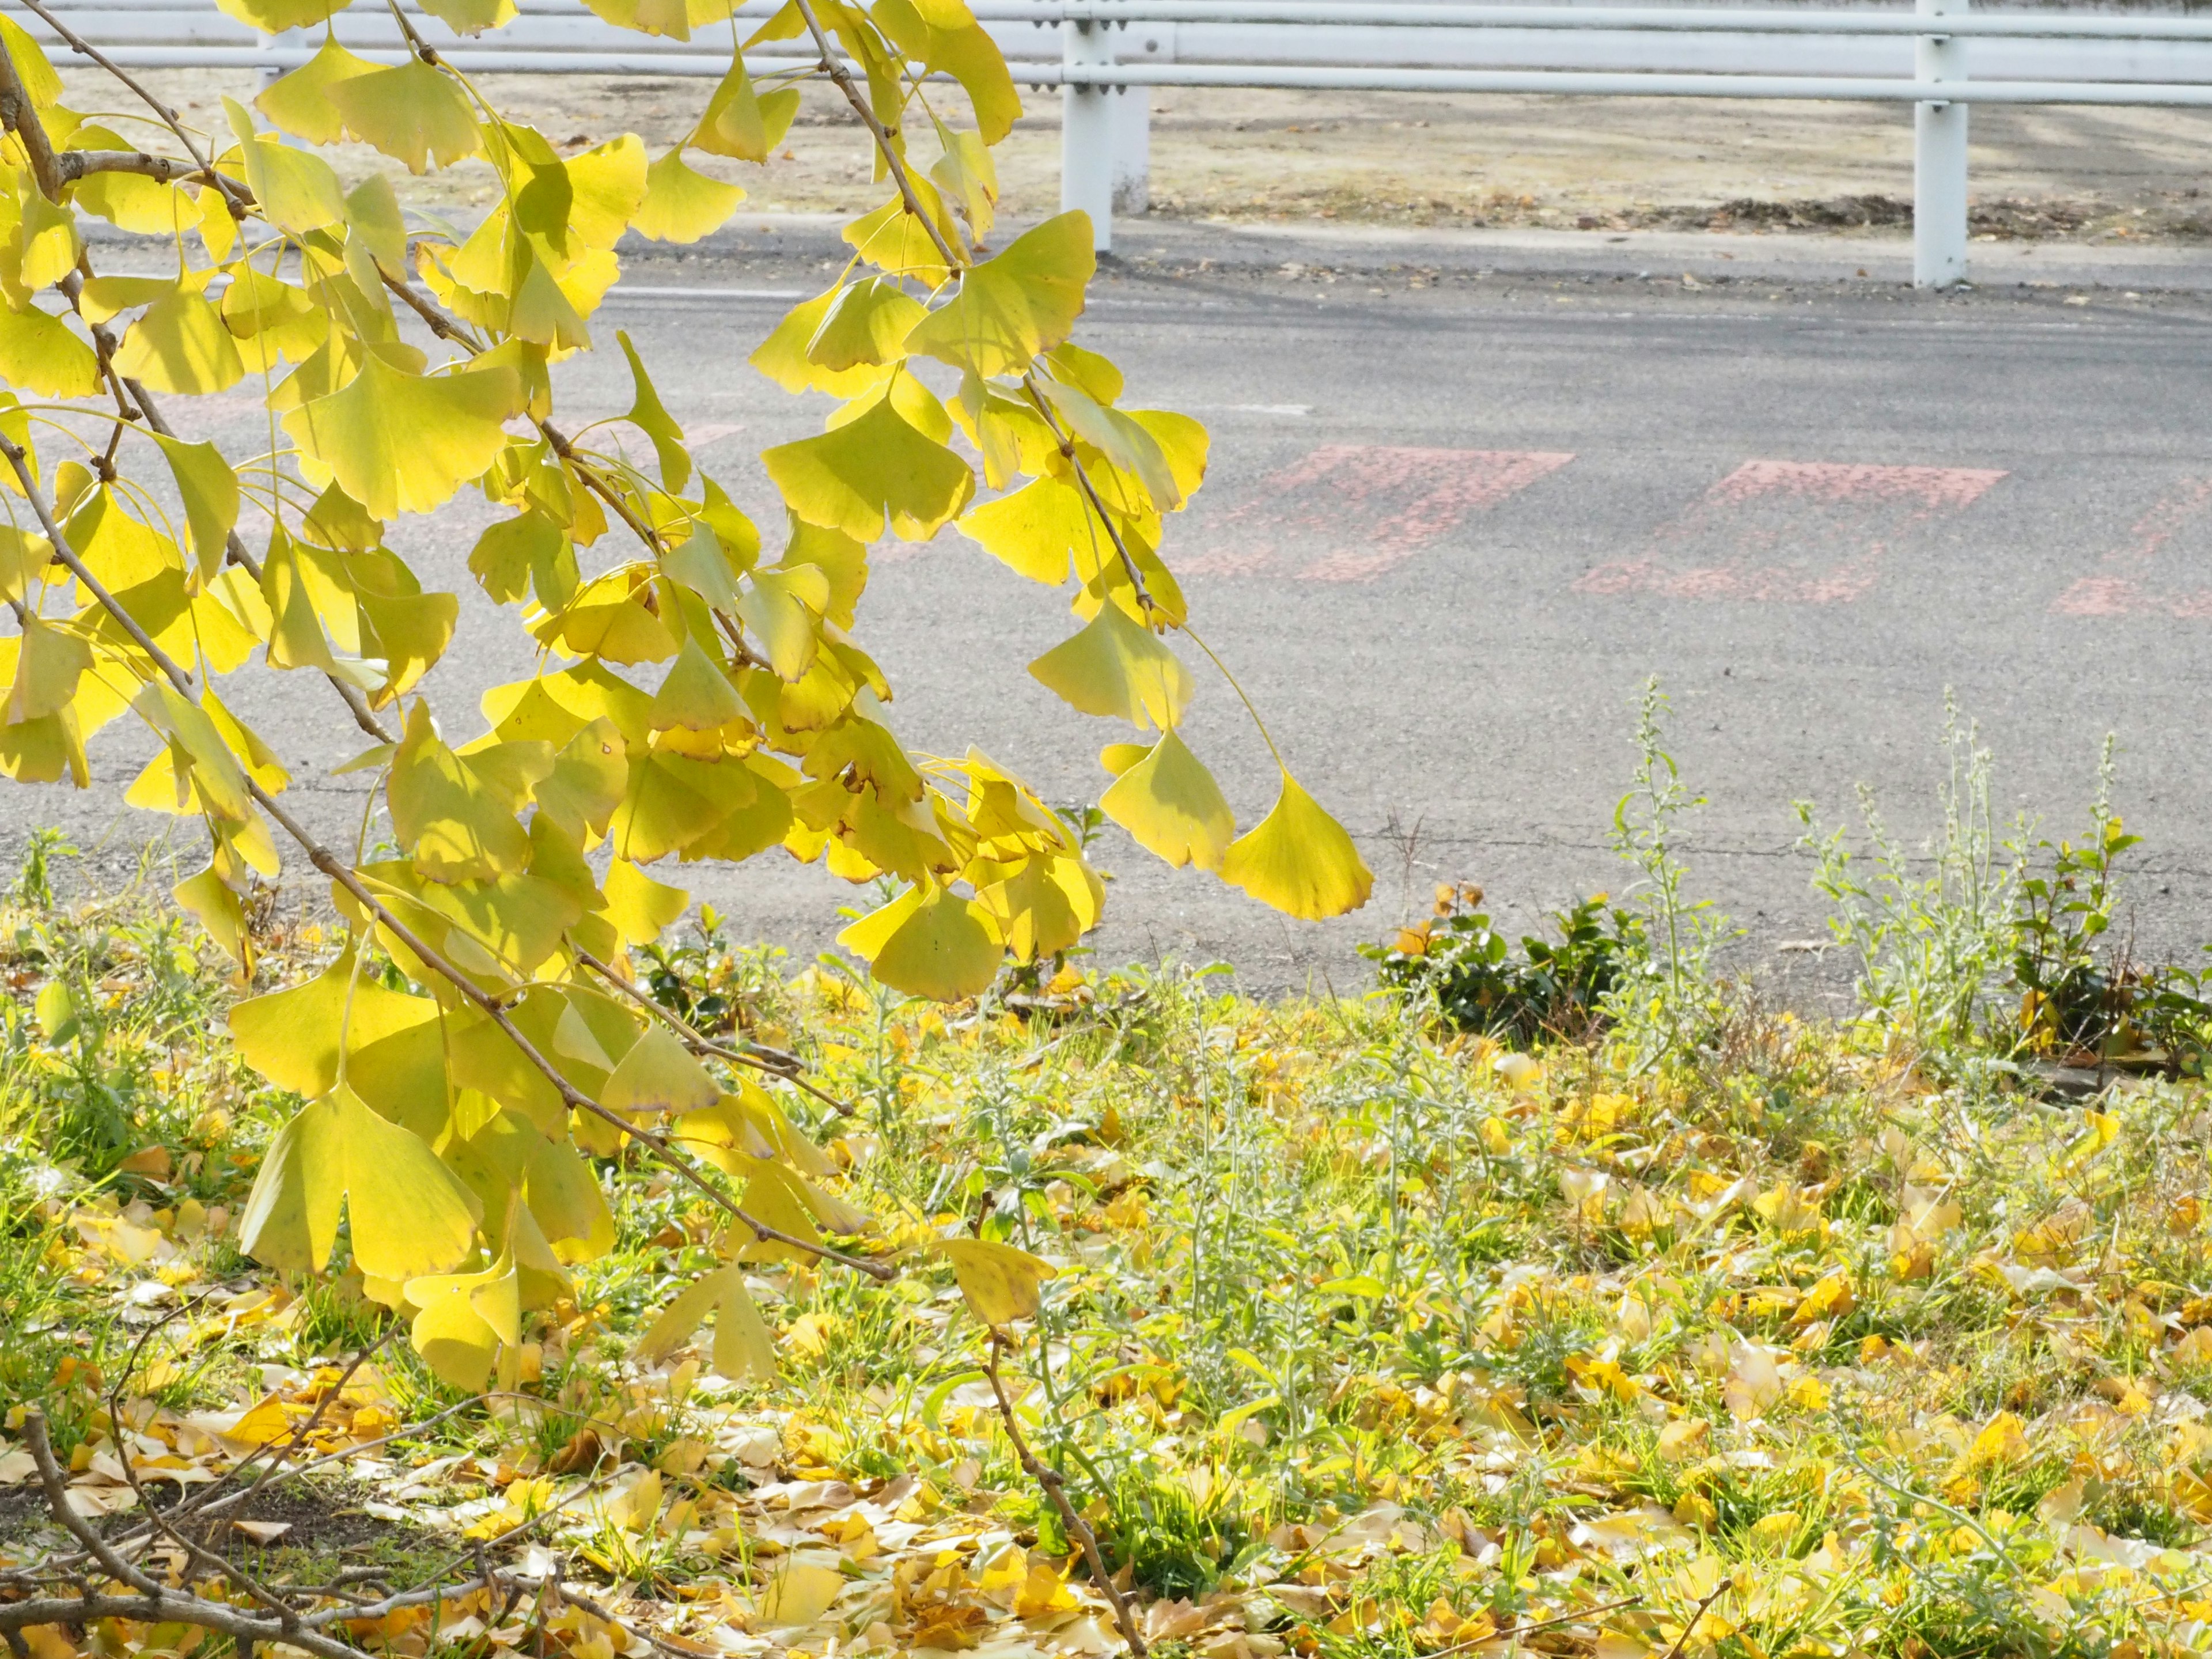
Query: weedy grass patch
(1348, 1333)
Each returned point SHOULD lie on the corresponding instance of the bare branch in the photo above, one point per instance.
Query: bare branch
(72, 165)
(1057, 1489)
(235, 195)
(56, 1487)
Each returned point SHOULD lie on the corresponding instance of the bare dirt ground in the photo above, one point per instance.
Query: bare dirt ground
(1401, 159)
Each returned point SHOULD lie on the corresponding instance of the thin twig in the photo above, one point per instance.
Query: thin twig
(300, 1434)
(773, 1061)
(1514, 1633)
(833, 67)
(1682, 1641)
(1055, 1489)
(56, 1487)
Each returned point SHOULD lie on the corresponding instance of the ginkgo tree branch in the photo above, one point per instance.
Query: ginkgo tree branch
(598, 486)
(71, 165)
(834, 66)
(1056, 1488)
(104, 344)
(21, 120)
(71, 287)
(1067, 446)
(338, 871)
(781, 1066)
(235, 196)
(155, 1602)
(20, 116)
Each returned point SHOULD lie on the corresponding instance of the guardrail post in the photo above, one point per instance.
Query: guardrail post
(1939, 157)
(1139, 43)
(1086, 133)
(1132, 150)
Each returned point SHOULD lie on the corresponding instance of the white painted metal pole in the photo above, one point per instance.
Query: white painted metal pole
(1132, 150)
(1086, 136)
(1939, 157)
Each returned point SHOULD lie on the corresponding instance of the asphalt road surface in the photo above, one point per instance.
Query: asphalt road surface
(1456, 520)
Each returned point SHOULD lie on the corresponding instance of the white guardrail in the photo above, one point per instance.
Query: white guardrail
(1106, 55)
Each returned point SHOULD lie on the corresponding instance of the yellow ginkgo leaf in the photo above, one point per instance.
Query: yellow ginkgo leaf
(944, 37)
(783, 608)
(671, 800)
(1170, 804)
(212, 901)
(640, 907)
(411, 1215)
(945, 948)
(782, 356)
(276, 16)
(404, 443)
(897, 243)
(651, 416)
(198, 749)
(739, 122)
(372, 214)
(47, 244)
(590, 772)
(103, 299)
(462, 1320)
(209, 490)
(300, 102)
(179, 344)
(50, 660)
(871, 467)
(798, 1592)
(1034, 530)
(563, 1192)
(40, 84)
(292, 189)
(998, 1281)
(1119, 669)
(681, 203)
(697, 694)
(967, 175)
(471, 16)
(413, 113)
(659, 1076)
(38, 353)
(295, 1038)
(868, 323)
(1298, 860)
(448, 813)
(1016, 305)
(743, 1346)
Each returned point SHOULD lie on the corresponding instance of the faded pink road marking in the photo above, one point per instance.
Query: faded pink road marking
(1365, 508)
(1792, 533)
(2125, 586)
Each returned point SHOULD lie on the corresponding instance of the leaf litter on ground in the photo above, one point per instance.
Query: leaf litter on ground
(1347, 1336)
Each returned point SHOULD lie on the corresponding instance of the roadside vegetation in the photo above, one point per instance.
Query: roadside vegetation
(1557, 1298)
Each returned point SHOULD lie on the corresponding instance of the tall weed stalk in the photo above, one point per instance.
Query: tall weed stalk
(1665, 1006)
(1934, 948)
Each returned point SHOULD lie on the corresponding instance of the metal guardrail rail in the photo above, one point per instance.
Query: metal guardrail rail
(1111, 52)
